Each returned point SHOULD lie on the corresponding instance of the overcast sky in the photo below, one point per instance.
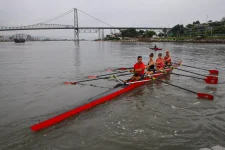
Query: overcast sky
(149, 13)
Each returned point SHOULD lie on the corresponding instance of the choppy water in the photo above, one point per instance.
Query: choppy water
(154, 116)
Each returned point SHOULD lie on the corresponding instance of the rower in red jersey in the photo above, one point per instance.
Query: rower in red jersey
(167, 58)
(159, 62)
(139, 70)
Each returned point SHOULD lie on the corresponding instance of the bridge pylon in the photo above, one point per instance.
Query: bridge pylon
(102, 34)
(99, 34)
(76, 30)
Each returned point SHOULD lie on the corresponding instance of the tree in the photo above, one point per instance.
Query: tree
(196, 22)
(177, 30)
(219, 30)
(129, 33)
(223, 19)
(164, 30)
(209, 21)
(141, 32)
(216, 23)
(149, 33)
(160, 34)
(208, 32)
(189, 26)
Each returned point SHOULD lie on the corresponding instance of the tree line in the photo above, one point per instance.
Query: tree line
(141, 33)
(194, 29)
(199, 29)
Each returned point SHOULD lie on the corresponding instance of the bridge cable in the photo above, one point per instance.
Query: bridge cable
(60, 16)
(95, 18)
(55, 18)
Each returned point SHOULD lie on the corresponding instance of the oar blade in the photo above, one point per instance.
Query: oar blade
(109, 70)
(70, 83)
(216, 72)
(212, 79)
(209, 81)
(66, 82)
(92, 77)
(205, 96)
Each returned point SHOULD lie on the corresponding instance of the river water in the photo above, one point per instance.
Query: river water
(155, 116)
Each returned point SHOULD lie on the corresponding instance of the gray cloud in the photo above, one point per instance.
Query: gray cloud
(115, 12)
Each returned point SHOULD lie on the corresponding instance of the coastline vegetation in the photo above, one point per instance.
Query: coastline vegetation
(206, 32)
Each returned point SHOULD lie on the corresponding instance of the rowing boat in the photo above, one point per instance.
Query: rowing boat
(156, 49)
(106, 96)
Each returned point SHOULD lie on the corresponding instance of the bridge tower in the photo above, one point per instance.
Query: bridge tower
(102, 34)
(99, 34)
(76, 31)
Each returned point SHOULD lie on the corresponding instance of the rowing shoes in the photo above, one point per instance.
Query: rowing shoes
(112, 93)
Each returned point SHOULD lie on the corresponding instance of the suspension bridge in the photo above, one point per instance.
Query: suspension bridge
(77, 29)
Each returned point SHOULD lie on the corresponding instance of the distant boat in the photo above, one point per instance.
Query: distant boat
(19, 40)
(156, 49)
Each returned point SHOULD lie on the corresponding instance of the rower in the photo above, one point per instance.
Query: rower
(159, 62)
(167, 59)
(155, 46)
(139, 70)
(151, 65)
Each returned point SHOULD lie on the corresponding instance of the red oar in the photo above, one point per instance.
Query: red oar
(190, 72)
(93, 77)
(200, 95)
(211, 81)
(77, 82)
(213, 71)
(216, 72)
(120, 69)
(207, 79)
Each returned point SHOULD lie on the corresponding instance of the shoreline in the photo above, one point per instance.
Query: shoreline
(213, 41)
(216, 41)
